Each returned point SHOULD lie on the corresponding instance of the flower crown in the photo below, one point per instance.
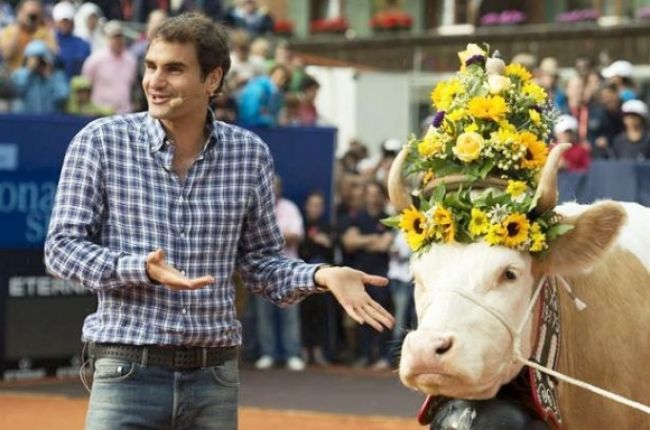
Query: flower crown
(488, 136)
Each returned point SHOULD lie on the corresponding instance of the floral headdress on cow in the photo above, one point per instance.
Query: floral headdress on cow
(478, 165)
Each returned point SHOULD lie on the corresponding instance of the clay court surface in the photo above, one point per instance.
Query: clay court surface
(317, 399)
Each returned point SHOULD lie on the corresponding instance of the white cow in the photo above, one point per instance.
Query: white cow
(462, 350)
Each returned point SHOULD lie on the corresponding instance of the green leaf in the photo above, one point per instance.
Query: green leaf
(558, 230)
(486, 168)
(453, 201)
(533, 202)
(392, 221)
(438, 193)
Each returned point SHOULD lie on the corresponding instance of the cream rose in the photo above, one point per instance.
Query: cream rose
(498, 84)
(468, 146)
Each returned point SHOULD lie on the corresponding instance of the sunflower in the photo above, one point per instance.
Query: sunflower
(442, 216)
(413, 223)
(518, 71)
(449, 233)
(516, 188)
(490, 107)
(536, 151)
(516, 226)
(537, 93)
(496, 234)
(479, 224)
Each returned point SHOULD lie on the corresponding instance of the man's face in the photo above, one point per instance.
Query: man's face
(30, 15)
(171, 71)
(64, 26)
(116, 43)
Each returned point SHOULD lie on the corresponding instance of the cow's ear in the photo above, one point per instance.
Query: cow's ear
(594, 231)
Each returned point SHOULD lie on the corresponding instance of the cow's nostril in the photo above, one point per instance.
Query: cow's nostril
(444, 345)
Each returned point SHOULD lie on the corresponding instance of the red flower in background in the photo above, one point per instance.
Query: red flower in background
(391, 21)
(333, 25)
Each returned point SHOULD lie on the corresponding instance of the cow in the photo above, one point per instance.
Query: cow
(461, 350)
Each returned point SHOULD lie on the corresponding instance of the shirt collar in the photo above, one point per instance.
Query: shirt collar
(158, 137)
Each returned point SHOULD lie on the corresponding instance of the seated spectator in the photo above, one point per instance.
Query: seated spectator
(261, 99)
(79, 101)
(290, 112)
(112, 71)
(30, 25)
(577, 158)
(247, 15)
(634, 142)
(307, 112)
(260, 50)
(87, 26)
(606, 122)
(6, 14)
(224, 106)
(73, 50)
(242, 69)
(548, 76)
(40, 87)
(620, 74)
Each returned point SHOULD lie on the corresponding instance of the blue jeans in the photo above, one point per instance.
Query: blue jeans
(128, 395)
(402, 294)
(288, 320)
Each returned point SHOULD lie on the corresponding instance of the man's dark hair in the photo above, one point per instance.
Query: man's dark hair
(209, 39)
(308, 82)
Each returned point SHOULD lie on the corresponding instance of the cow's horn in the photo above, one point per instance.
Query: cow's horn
(547, 188)
(399, 194)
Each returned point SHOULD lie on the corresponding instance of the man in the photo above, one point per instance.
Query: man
(154, 212)
(29, 26)
(73, 50)
(112, 71)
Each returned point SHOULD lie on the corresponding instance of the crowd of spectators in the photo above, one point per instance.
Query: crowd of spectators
(52, 54)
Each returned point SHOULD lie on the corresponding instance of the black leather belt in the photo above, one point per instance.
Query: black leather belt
(175, 357)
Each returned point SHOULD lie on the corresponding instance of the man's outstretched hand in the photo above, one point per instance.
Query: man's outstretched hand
(159, 271)
(348, 286)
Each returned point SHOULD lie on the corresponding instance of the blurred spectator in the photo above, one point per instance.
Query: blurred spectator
(529, 61)
(261, 99)
(611, 121)
(291, 226)
(6, 14)
(367, 242)
(40, 87)
(620, 74)
(376, 168)
(576, 158)
(73, 50)
(290, 112)
(548, 74)
(112, 71)
(592, 82)
(401, 289)
(29, 25)
(224, 106)
(87, 26)
(79, 101)
(317, 311)
(307, 112)
(249, 16)
(260, 50)
(584, 66)
(634, 142)
(242, 69)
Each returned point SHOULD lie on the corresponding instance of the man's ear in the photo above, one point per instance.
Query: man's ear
(594, 231)
(214, 79)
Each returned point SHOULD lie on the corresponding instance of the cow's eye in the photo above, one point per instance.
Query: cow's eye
(510, 275)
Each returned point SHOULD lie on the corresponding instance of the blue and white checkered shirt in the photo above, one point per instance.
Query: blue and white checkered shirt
(119, 199)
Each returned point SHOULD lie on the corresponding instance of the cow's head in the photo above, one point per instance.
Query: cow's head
(461, 348)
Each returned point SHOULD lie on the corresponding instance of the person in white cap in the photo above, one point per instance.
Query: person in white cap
(578, 157)
(73, 50)
(634, 142)
(620, 74)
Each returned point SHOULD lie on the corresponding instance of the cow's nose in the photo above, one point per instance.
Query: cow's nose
(443, 344)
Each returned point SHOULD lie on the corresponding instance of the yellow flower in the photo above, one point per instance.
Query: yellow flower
(443, 94)
(442, 216)
(427, 177)
(536, 151)
(449, 233)
(537, 238)
(516, 188)
(503, 137)
(455, 115)
(468, 146)
(519, 71)
(479, 223)
(471, 50)
(516, 226)
(432, 143)
(505, 125)
(535, 117)
(413, 223)
(496, 234)
(491, 107)
(471, 128)
(533, 90)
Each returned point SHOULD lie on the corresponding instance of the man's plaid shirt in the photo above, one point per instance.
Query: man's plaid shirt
(119, 199)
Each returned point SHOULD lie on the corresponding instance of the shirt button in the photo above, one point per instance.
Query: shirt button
(184, 311)
(183, 272)
(180, 200)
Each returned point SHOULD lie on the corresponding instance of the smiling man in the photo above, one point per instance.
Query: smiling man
(154, 212)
